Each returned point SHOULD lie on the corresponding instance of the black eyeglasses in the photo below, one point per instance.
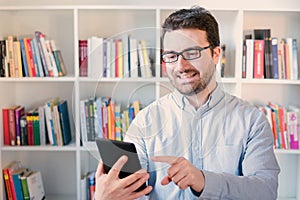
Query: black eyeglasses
(187, 54)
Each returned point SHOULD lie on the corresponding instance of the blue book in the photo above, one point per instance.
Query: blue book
(275, 57)
(24, 60)
(17, 182)
(65, 121)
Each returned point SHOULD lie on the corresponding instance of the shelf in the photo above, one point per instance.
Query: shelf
(287, 151)
(271, 81)
(39, 79)
(70, 147)
(113, 80)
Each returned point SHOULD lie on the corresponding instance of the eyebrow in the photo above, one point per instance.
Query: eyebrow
(175, 52)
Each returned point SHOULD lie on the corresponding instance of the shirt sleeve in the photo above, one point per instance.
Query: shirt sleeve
(259, 167)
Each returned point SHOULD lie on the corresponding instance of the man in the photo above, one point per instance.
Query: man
(197, 142)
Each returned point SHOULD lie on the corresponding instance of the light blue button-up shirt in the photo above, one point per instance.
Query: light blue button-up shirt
(227, 138)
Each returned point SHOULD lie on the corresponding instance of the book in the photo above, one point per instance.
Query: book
(10, 49)
(23, 130)
(249, 58)
(7, 174)
(293, 127)
(19, 112)
(65, 121)
(95, 57)
(275, 70)
(58, 59)
(35, 186)
(44, 57)
(37, 56)
(24, 59)
(5, 123)
(23, 180)
(42, 125)
(2, 57)
(12, 125)
(83, 60)
(133, 58)
(51, 58)
(258, 64)
(29, 57)
(16, 176)
(18, 59)
(30, 130)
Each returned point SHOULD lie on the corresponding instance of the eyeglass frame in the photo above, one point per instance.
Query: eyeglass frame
(181, 53)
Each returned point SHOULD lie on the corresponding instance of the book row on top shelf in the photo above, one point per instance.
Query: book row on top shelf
(30, 56)
(269, 57)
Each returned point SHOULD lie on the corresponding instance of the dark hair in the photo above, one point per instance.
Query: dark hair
(195, 17)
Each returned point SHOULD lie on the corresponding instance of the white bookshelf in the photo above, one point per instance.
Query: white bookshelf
(67, 22)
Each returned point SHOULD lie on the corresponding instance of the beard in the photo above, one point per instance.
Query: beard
(196, 86)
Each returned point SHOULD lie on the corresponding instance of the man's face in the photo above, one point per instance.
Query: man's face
(190, 77)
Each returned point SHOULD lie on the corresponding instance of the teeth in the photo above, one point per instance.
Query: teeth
(187, 75)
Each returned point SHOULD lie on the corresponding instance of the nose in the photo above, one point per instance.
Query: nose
(181, 64)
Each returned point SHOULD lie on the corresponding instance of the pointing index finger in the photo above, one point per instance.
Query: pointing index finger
(165, 159)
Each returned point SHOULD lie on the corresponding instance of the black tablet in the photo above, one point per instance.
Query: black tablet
(111, 150)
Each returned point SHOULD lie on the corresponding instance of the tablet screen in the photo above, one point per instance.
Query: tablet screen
(111, 150)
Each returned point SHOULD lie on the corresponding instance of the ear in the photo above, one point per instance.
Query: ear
(216, 54)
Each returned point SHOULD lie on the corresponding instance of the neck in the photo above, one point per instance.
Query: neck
(201, 98)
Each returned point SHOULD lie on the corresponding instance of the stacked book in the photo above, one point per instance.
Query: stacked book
(32, 56)
(48, 123)
(115, 58)
(102, 117)
(22, 183)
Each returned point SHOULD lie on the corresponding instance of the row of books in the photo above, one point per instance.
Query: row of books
(102, 117)
(285, 122)
(30, 56)
(48, 123)
(22, 183)
(270, 57)
(116, 58)
(87, 186)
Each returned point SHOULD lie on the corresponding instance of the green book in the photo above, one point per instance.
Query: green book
(24, 185)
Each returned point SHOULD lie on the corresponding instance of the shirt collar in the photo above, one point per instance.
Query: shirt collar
(214, 98)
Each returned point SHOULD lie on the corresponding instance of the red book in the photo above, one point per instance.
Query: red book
(6, 134)
(29, 57)
(12, 125)
(258, 59)
(30, 134)
(9, 183)
(83, 58)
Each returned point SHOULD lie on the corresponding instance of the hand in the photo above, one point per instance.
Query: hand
(182, 173)
(110, 186)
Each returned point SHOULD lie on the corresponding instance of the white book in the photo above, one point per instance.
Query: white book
(294, 65)
(133, 58)
(49, 123)
(289, 42)
(83, 121)
(125, 42)
(95, 55)
(51, 58)
(35, 186)
(147, 63)
(141, 61)
(42, 125)
(108, 58)
(249, 58)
